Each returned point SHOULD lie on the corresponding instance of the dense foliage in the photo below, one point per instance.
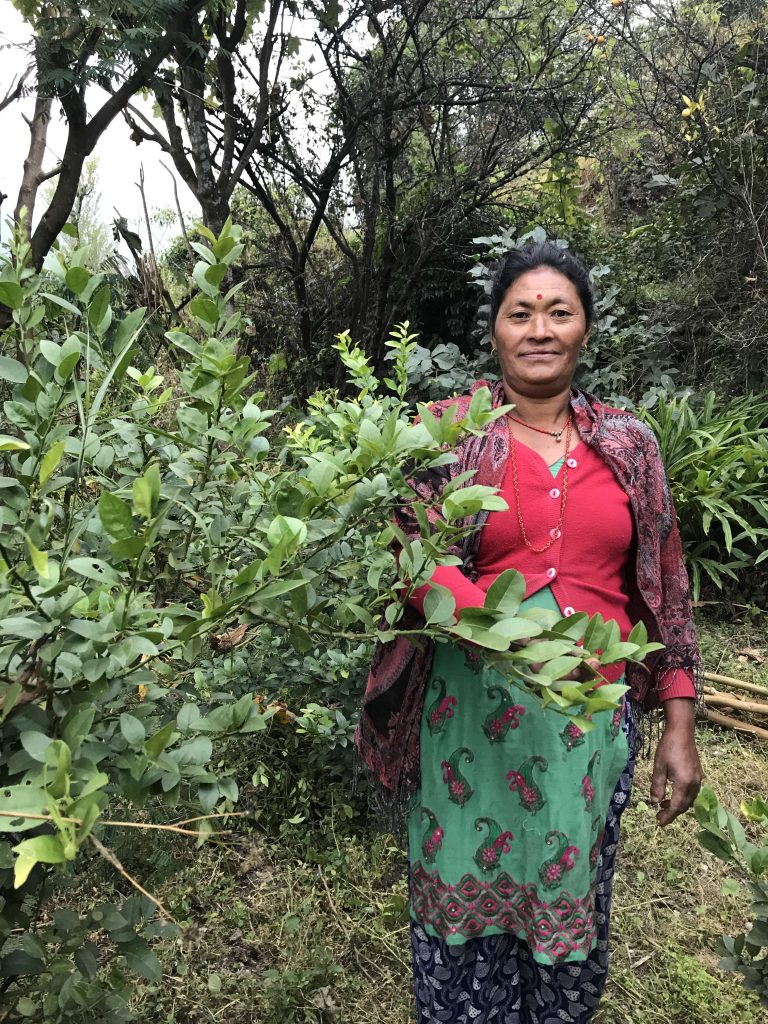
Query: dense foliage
(723, 835)
(152, 536)
(199, 465)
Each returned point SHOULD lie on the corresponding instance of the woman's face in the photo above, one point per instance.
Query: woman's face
(538, 333)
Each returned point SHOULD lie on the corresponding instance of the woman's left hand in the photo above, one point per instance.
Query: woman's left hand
(676, 763)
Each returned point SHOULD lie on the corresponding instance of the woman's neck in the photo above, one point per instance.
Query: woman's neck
(546, 413)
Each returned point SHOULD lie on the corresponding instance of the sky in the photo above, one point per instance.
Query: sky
(119, 159)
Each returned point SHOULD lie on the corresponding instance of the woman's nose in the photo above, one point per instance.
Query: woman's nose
(539, 325)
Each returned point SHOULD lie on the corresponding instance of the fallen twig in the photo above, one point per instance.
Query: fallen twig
(734, 723)
(737, 684)
(726, 700)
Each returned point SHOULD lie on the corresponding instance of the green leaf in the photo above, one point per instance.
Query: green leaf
(58, 301)
(301, 639)
(439, 604)
(26, 1007)
(506, 593)
(215, 274)
(11, 294)
(51, 351)
(197, 752)
(10, 696)
(50, 461)
(758, 861)
(23, 626)
(68, 358)
(468, 501)
(132, 729)
(40, 849)
(131, 547)
(277, 588)
(115, 516)
(146, 492)
(77, 725)
(617, 652)
(21, 798)
(730, 887)
(156, 744)
(758, 935)
(12, 444)
(99, 311)
(145, 964)
(36, 744)
(76, 279)
(187, 718)
(128, 328)
(719, 847)
(205, 309)
(543, 650)
(39, 559)
(94, 569)
(12, 370)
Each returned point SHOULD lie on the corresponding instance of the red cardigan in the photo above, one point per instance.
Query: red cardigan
(585, 567)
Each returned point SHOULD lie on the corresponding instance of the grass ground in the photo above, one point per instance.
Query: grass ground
(311, 927)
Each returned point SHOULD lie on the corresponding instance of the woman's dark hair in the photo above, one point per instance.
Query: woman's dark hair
(541, 254)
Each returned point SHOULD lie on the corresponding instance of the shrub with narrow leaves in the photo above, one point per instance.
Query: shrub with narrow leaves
(716, 458)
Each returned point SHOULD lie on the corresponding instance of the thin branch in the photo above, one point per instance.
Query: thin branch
(152, 826)
(109, 856)
(47, 175)
(14, 92)
(178, 210)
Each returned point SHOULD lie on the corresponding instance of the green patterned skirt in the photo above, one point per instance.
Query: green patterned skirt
(505, 831)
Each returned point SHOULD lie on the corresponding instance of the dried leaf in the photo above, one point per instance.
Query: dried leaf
(754, 654)
(324, 1001)
(226, 641)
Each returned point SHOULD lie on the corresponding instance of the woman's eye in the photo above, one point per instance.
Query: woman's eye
(561, 314)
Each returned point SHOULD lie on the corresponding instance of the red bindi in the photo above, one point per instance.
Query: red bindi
(539, 296)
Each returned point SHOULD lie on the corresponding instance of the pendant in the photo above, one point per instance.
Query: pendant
(557, 434)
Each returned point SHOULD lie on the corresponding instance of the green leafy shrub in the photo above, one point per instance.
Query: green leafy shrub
(150, 537)
(724, 836)
(717, 463)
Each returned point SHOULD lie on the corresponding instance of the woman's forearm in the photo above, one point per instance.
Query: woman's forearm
(466, 593)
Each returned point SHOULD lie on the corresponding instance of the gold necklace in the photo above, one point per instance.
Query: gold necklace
(554, 533)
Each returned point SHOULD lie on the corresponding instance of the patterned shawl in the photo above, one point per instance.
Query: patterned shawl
(388, 731)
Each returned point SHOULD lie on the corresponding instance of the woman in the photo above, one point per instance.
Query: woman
(513, 814)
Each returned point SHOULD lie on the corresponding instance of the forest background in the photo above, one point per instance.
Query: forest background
(203, 441)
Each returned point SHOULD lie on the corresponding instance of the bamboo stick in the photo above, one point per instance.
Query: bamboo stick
(737, 684)
(734, 723)
(725, 700)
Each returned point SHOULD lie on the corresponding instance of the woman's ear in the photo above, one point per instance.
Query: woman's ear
(586, 338)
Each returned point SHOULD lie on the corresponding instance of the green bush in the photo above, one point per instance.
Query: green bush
(717, 462)
(724, 836)
(151, 538)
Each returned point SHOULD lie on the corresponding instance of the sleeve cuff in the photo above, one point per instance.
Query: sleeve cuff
(676, 682)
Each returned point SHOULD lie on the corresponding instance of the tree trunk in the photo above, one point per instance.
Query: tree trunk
(55, 217)
(33, 165)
